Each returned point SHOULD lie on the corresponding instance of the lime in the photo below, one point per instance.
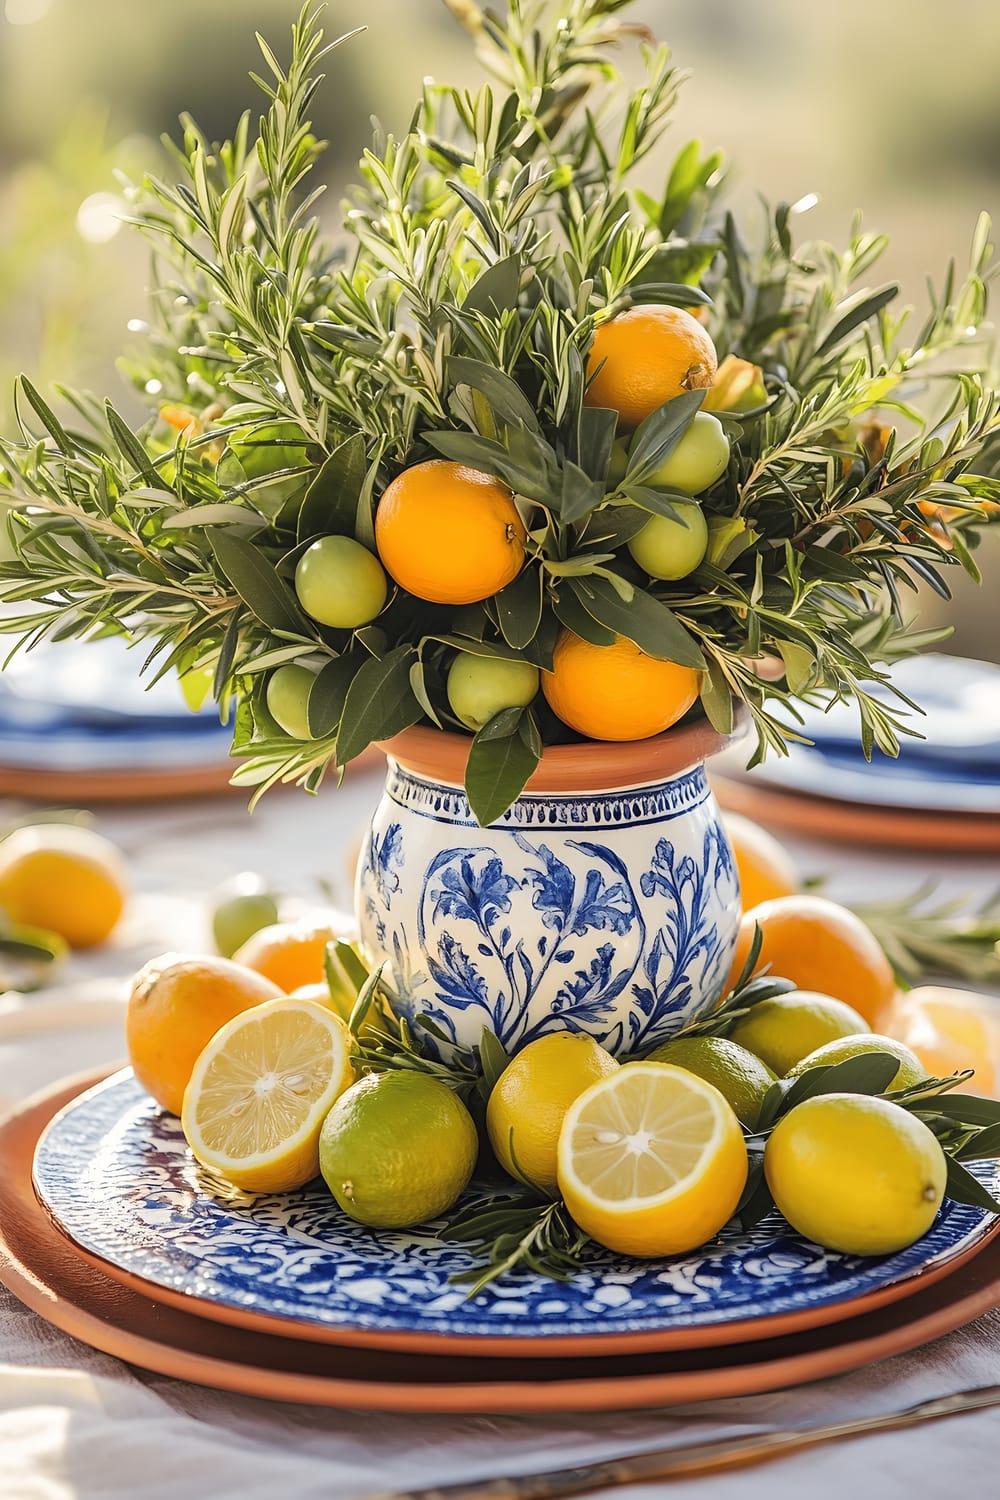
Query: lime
(700, 458)
(855, 1174)
(397, 1149)
(784, 1030)
(669, 548)
(288, 690)
(617, 463)
(340, 583)
(741, 1078)
(480, 687)
(909, 1072)
(243, 906)
(531, 1097)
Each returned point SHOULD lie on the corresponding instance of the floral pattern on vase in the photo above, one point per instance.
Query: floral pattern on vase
(612, 913)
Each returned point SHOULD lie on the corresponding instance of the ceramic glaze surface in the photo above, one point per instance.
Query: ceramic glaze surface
(613, 913)
(114, 1171)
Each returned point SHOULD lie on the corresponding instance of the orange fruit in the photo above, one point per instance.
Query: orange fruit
(290, 954)
(175, 1007)
(65, 879)
(448, 533)
(647, 356)
(950, 1030)
(766, 868)
(616, 692)
(820, 946)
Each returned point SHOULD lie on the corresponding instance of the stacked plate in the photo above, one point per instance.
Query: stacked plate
(76, 718)
(942, 791)
(284, 1297)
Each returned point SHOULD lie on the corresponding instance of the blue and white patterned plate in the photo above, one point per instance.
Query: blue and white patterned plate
(116, 1176)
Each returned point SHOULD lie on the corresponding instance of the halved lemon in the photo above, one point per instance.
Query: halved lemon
(652, 1160)
(261, 1090)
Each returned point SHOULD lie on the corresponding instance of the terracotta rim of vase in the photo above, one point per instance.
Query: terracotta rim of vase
(587, 766)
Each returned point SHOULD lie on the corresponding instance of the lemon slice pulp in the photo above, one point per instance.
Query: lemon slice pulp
(652, 1160)
(260, 1091)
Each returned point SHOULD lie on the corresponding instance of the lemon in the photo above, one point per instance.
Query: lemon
(260, 1091)
(652, 1160)
(855, 1174)
(784, 1030)
(397, 1149)
(741, 1078)
(909, 1072)
(530, 1099)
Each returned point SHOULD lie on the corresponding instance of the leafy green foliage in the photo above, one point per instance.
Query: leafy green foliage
(484, 248)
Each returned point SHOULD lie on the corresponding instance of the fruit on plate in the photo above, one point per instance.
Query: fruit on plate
(616, 692)
(784, 1030)
(529, 1101)
(64, 879)
(910, 1071)
(645, 357)
(699, 459)
(260, 1091)
(822, 946)
(652, 1160)
(741, 1078)
(175, 1007)
(448, 533)
(397, 1149)
(855, 1174)
(340, 583)
(287, 697)
(765, 867)
(672, 546)
(951, 1030)
(242, 907)
(291, 954)
(480, 687)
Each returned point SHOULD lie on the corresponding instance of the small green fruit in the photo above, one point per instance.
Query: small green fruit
(700, 458)
(617, 463)
(243, 906)
(672, 549)
(288, 690)
(480, 687)
(340, 583)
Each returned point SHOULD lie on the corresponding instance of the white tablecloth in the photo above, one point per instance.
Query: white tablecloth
(77, 1425)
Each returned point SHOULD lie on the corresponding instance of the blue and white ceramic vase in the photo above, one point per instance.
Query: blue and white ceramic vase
(606, 900)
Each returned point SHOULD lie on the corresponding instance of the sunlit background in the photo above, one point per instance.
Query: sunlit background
(889, 107)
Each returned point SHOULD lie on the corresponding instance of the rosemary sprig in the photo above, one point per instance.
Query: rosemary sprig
(517, 1233)
(959, 937)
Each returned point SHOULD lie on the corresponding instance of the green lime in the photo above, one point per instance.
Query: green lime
(910, 1071)
(784, 1030)
(243, 906)
(741, 1078)
(480, 687)
(340, 583)
(699, 459)
(669, 548)
(288, 690)
(397, 1149)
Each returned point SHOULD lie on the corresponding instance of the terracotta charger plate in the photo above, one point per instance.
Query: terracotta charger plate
(859, 823)
(45, 1271)
(114, 1174)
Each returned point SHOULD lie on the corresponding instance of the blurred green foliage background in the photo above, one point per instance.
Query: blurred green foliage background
(889, 107)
